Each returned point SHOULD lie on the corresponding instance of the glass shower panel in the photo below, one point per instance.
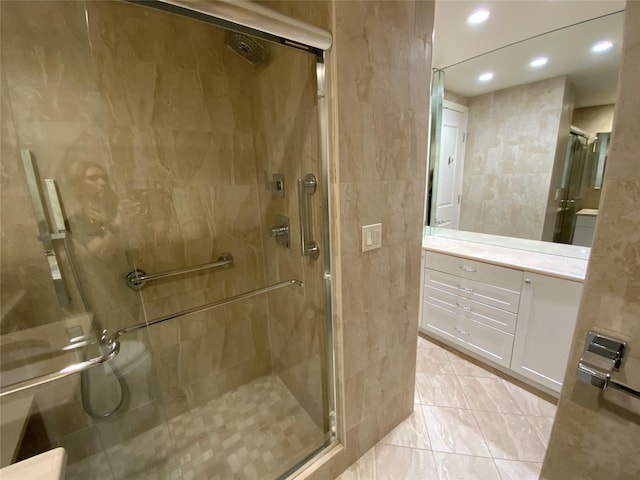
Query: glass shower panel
(163, 134)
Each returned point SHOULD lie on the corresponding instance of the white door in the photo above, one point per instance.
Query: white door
(451, 165)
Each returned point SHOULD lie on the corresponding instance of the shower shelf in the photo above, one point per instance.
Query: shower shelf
(113, 346)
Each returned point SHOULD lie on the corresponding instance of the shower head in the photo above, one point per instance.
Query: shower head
(245, 46)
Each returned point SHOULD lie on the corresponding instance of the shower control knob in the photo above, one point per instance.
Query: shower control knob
(280, 231)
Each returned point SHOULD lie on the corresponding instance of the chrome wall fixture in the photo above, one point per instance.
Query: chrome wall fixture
(136, 279)
(306, 188)
(281, 230)
(46, 233)
(601, 356)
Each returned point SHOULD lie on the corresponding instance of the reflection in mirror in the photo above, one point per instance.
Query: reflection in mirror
(522, 154)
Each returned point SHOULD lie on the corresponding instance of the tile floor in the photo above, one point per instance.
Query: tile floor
(469, 423)
(254, 432)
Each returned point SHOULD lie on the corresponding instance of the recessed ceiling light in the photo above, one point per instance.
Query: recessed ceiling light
(538, 62)
(485, 77)
(602, 46)
(478, 16)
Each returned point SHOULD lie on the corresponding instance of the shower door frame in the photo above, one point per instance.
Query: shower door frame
(261, 22)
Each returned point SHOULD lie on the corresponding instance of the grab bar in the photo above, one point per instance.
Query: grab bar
(207, 306)
(136, 279)
(114, 345)
(114, 349)
(306, 188)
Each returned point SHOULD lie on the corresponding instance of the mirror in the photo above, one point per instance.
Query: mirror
(520, 149)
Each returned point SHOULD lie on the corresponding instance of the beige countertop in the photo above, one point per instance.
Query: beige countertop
(537, 262)
(588, 211)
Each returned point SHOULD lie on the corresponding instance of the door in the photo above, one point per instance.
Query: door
(451, 165)
(571, 185)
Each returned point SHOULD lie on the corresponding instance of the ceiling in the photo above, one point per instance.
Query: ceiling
(511, 22)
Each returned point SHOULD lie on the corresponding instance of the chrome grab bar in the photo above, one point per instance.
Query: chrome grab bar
(306, 188)
(114, 345)
(114, 349)
(136, 279)
(207, 306)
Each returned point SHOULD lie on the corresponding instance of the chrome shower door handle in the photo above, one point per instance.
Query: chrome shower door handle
(306, 188)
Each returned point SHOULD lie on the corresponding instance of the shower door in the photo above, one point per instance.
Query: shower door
(169, 149)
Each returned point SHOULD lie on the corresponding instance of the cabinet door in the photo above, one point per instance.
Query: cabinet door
(546, 321)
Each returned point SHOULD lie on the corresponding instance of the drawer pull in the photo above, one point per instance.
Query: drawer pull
(465, 289)
(461, 332)
(468, 269)
(466, 309)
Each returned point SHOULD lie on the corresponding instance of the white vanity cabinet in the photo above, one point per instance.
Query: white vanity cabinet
(472, 304)
(546, 321)
(520, 321)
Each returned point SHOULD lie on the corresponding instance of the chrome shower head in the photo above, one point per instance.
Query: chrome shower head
(245, 46)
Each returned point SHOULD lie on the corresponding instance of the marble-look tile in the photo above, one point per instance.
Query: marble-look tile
(530, 403)
(440, 390)
(510, 437)
(424, 343)
(453, 430)
(433, 360)
(512, 470)
(363, 469)
(465, 467)
(488, 394)
(393, 463)
(542, 426)
(468, 368)
(411, 433)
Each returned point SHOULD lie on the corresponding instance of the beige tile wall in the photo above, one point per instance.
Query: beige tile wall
(508, 169)
(380, 72)
(186, 129)
(595, 435)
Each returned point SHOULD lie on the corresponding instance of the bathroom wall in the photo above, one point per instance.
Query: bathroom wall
(595, 434)
(455, 98)
(380, 72)
(593, 120)
(507, 171)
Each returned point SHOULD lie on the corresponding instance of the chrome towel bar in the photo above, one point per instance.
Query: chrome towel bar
(207, 306)
(111, 341)
(110, 354)
(136, 279)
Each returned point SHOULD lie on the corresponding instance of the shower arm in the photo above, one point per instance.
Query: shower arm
(113, 345)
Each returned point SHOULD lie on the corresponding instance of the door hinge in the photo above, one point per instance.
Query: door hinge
(459, 198)
(464, 137)
(333, 428)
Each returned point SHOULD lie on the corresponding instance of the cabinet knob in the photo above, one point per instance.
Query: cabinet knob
(527, 281)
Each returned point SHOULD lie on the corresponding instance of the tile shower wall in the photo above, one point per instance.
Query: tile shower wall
(519, 152)
(594, 435)
(181, 126)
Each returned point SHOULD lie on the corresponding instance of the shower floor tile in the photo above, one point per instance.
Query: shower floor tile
(253, 432)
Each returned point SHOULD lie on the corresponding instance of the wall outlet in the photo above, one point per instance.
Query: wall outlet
(371, 237)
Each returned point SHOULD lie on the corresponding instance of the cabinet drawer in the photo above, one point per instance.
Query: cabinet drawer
(502, 277)
(491, 316)
(480, 292)
(489, 342)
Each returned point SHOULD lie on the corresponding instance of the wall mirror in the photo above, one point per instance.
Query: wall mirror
(519, 139)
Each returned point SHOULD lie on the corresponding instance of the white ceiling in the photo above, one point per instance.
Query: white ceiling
(594, 76)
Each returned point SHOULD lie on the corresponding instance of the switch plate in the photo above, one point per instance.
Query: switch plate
(371, 237)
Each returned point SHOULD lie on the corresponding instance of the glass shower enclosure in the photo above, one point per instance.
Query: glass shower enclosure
(165, 266)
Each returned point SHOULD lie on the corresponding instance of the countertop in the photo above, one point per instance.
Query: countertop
(588, 211)
(537, 262)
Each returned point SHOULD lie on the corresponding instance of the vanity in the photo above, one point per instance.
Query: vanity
(513, 309)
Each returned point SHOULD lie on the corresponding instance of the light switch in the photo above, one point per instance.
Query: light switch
(371, 236)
